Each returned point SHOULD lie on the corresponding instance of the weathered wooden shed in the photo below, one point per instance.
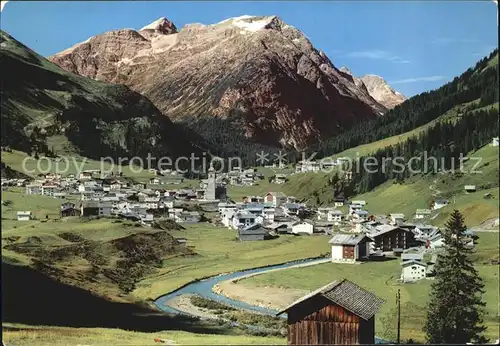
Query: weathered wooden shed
(340, 313)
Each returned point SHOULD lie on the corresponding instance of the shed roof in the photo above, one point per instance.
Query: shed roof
(347, 239)
(347, 295)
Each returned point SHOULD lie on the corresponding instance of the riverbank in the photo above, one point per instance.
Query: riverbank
(272, 298)
(218, 251)
(205, 288)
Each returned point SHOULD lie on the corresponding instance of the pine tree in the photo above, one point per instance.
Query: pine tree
(455, 309)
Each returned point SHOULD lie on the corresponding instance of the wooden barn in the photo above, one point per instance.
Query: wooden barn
(340, 313)
(350, 248)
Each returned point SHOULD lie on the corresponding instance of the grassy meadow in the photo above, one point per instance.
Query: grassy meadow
(20, 335)
(216, 248)
(219, 252)
(380, 278)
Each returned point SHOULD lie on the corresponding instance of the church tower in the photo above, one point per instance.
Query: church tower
(211, 185)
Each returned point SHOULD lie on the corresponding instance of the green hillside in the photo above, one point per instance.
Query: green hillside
(452, 115)
(477, 83)
(418, 192)
(466, 127)
(46, 109)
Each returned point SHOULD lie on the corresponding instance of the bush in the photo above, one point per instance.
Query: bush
(209, 304)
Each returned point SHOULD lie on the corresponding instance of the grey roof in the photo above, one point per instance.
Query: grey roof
(347, 239)
(381, 229)
(349, 296)
(245, 215)
(252, 229)
(412, 256)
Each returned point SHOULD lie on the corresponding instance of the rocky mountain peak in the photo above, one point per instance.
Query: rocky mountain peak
(161, 25)
(345, 69)
(381, 91)
(254, 74)
(254, 23)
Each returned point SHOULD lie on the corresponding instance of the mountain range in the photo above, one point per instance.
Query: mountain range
(243, 81)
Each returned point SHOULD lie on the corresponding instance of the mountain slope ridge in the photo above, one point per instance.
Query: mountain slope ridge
(258, 74)
(40, 100)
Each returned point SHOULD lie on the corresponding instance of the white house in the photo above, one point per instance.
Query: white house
(227, 217)
(115, 185)
(89, 174)
(334, 216)
(268, 214)
(422, 213)
(226, 206)
(244, 219)
(353, 207)
(48, 190)
(470, 188)
(495, 142)
(280, 179)
(307, 166)
(413, 271)
(34, 189)
(291, 208)
(359, 215)
(424, 231)
(440, 204)
(24, 215)
(347, 248)
(359, 202)
(322, 213)
(303, 227)
(397, 218)
(436, 241)
(276, 198)
(339, 201)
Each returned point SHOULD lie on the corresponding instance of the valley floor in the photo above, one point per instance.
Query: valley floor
(279, 289)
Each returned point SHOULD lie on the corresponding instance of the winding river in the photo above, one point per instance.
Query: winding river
(204, 288)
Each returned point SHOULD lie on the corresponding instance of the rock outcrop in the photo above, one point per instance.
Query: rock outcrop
(381, 91)
(378, 88)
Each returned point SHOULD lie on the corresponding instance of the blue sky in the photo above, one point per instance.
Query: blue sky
(415, 46)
